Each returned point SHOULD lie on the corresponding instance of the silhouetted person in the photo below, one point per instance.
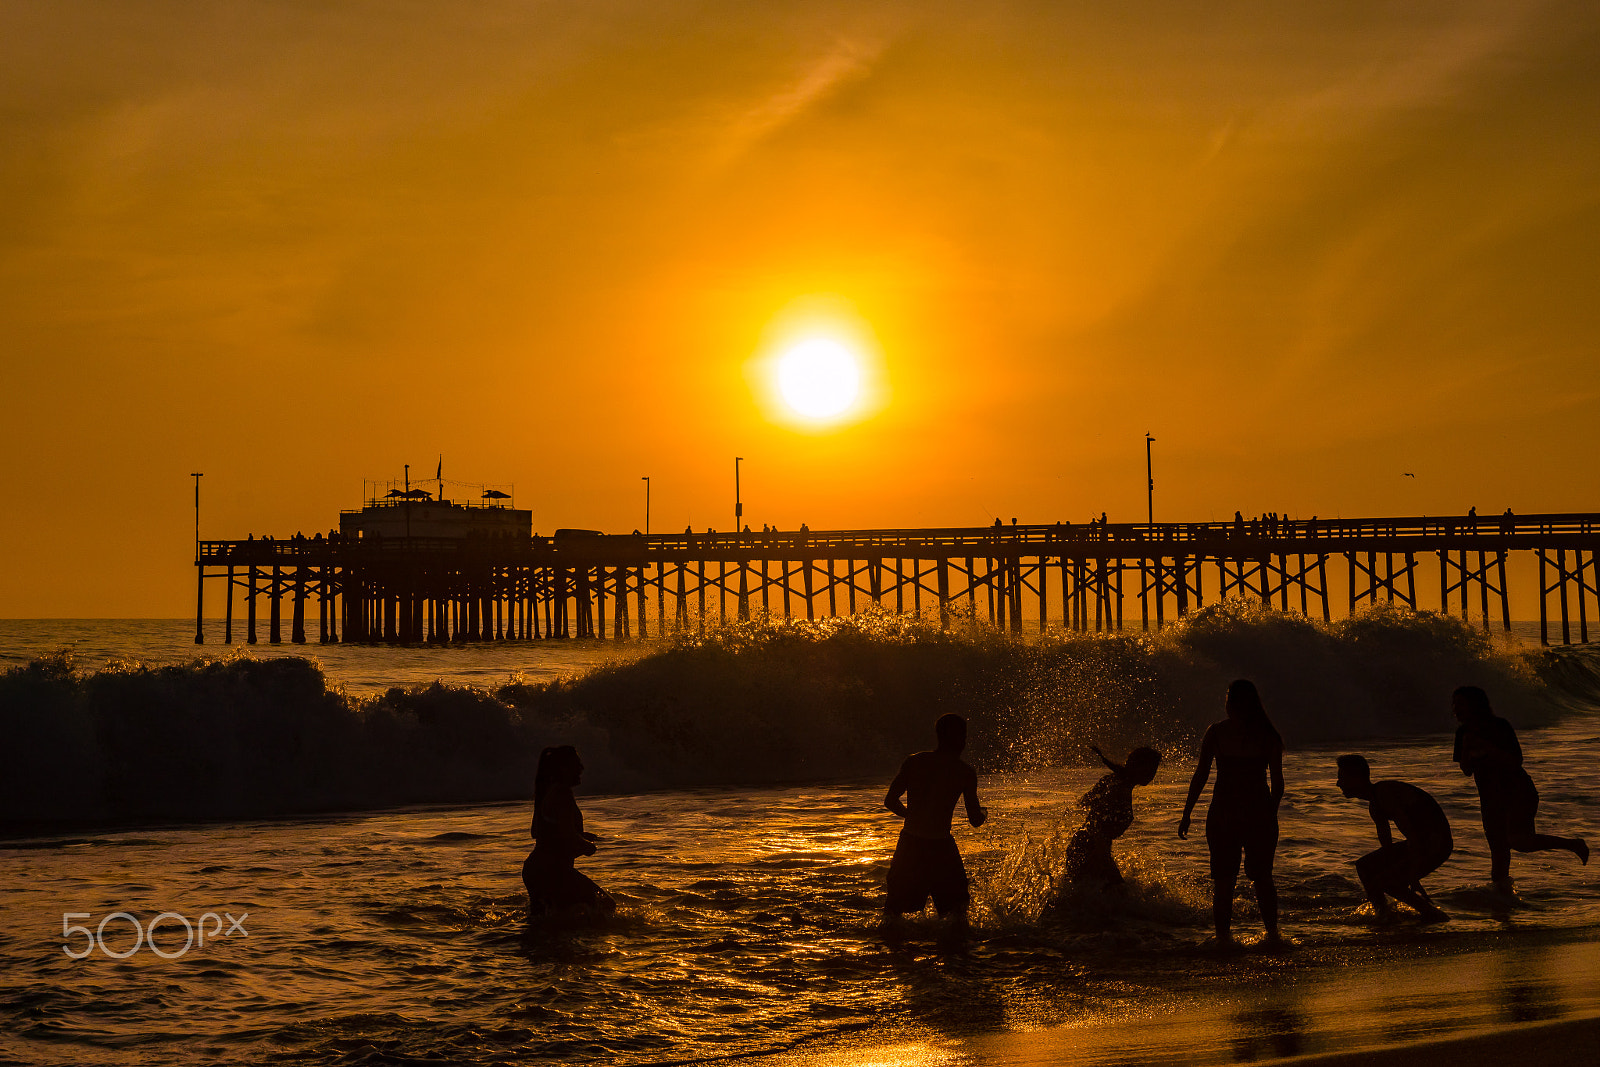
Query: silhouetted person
(1107, 814)
(926, 861)
(1397, 868)
(1243, 817)
(558, 839)
(1487, 749)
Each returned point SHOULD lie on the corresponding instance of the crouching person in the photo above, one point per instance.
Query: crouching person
(1397, 868)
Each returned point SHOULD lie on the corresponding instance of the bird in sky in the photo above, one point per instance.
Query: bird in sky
(1408, 474)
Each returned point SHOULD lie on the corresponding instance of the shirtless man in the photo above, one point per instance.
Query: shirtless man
(1398, 867)
(926, 861)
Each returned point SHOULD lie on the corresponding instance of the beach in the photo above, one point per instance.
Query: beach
(1519, 1003)
(749, 915)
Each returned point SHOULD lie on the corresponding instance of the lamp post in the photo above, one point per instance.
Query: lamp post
(1150, 482)
(738, 504)
(646, 479)
(200, 594)
(197, 475)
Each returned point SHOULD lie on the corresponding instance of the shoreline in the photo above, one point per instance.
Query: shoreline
(1536, 999)
(1555, 1042)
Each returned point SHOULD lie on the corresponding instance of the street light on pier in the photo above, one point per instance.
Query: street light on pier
(738, 504)
(200, 597)
(1150, 479)
(646, 479)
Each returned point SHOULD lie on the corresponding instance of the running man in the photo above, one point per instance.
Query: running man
(926, 860)
(1397, 868)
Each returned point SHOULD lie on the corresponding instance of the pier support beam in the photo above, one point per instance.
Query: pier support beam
(297, 632)
(275, 607)
(250, 607)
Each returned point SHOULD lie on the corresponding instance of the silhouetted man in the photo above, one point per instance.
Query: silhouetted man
(926, 861)
(1397, 868)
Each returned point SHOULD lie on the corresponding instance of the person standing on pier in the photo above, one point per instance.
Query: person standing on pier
(1488, 750)
(1243, 817)
(926, 861)
(1397, 868)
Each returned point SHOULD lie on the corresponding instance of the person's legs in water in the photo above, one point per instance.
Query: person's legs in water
(1259, 848)
(1520, 835)
(1266, 897)
(1496, 834)
(554, 885)
(1374, 871)
(1394, 870)
(1090, 861)
(1225, 851)
(907, 889)
(1549, 843)
(581, 891)
(949, 888)
(533, 881)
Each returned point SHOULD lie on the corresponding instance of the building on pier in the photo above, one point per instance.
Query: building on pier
(399, 517)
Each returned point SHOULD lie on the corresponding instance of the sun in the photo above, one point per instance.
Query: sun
(819, 378)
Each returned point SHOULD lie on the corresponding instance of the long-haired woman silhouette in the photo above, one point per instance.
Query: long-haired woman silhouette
(1243, 817)
(558, 839)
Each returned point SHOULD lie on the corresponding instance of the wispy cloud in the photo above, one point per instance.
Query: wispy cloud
(1429, 69)
(739, 127)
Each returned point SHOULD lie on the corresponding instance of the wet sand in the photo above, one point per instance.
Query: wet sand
(1521, 1001)
(1566, 1041)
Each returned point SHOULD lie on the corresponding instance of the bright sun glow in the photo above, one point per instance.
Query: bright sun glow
(819, 378)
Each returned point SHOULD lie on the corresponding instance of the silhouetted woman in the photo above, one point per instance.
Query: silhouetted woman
(1107, 814)
(1488, 750)
(1243, 818)
(558, 839)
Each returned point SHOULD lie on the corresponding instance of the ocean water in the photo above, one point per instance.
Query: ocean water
(748, 922)
(359, 668)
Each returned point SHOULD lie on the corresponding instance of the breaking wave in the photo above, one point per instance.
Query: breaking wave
(763, 702)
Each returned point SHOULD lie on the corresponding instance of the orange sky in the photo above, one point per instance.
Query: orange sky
(1308, 247)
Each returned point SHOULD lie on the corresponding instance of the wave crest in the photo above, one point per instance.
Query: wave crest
(750, 703)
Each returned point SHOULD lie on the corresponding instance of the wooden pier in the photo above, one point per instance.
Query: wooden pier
(1084, 577)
